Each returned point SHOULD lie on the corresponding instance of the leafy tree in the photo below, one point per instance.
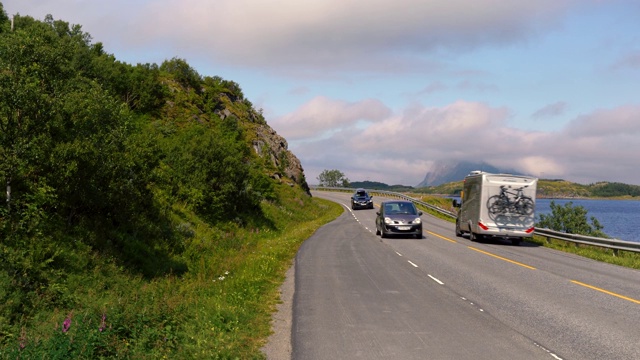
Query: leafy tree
(570, 219)
(183, 73)
(333, 178)
(4, 19)
(32, 70)
(145, 92)
(205, 167)
(70, 157)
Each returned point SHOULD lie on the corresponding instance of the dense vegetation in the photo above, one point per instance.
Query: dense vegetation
(571, 219)
(132, 193)
(607, 189)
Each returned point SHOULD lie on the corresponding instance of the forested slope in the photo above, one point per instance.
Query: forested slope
(120, 176)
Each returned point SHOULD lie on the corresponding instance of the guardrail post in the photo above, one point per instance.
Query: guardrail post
(615, 252)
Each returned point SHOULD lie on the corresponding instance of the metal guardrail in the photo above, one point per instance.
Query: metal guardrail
(613, 244)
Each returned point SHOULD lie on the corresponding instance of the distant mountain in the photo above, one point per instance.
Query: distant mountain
(446, 172)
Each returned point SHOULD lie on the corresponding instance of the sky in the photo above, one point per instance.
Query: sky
(385, 90)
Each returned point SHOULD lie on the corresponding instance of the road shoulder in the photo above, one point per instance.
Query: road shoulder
(279, 343)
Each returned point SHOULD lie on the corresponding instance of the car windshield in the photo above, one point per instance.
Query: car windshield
(400, 208)
(361, 194)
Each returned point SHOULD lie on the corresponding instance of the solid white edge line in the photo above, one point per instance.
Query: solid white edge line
(414, 265)
(436, 280)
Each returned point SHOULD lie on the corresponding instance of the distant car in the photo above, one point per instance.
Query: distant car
(361, 200)
(398, 217)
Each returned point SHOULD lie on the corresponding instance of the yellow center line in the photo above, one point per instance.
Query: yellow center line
(606, 292)
(441, 237)
(532, 268)
(501, 258)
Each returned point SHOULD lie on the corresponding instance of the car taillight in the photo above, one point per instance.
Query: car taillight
(483, 226)
(530, 230)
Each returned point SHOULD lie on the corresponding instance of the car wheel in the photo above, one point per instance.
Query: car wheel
(419, 236)
(458, 231)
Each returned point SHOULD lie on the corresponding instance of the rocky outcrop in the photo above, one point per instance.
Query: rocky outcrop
(274, 147)
(285, 166)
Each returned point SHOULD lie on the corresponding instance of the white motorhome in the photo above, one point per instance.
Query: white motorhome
(497, 205)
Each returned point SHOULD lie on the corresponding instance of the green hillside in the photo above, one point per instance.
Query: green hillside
(150, 210)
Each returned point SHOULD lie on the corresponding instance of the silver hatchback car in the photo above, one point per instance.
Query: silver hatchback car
(398, 217)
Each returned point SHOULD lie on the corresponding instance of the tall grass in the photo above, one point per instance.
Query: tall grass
(219, 308)
(622, 258)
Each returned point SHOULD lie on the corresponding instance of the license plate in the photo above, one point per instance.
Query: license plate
(404, 227)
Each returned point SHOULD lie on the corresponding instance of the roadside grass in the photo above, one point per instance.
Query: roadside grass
(439, 201)
(219, 308)
(622, 258)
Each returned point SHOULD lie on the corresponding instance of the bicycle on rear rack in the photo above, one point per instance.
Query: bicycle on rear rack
(511, 202)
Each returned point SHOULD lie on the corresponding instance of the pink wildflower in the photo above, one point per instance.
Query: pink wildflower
(103, 324)
(66, 324)
(23, 338)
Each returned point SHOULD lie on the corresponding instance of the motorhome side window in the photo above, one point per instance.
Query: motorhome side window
(471, 191)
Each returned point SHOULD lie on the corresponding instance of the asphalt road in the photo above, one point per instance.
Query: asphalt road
(358, 296)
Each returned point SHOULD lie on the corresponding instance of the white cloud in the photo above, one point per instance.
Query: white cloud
(321, 115)
(541, 166)
(314, 34)
(401, 147)
(611, 122)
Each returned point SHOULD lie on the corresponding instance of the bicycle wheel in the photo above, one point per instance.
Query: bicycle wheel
(525, 206)
(496, 204)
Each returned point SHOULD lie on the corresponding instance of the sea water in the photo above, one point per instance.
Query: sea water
(620, 218)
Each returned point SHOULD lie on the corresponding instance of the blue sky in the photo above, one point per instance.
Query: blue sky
(384, 90)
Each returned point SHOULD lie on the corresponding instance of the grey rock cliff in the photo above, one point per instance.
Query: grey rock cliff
(273, 146)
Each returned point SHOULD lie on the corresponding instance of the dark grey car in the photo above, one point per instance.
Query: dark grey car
(398, 217)
(361, 200)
